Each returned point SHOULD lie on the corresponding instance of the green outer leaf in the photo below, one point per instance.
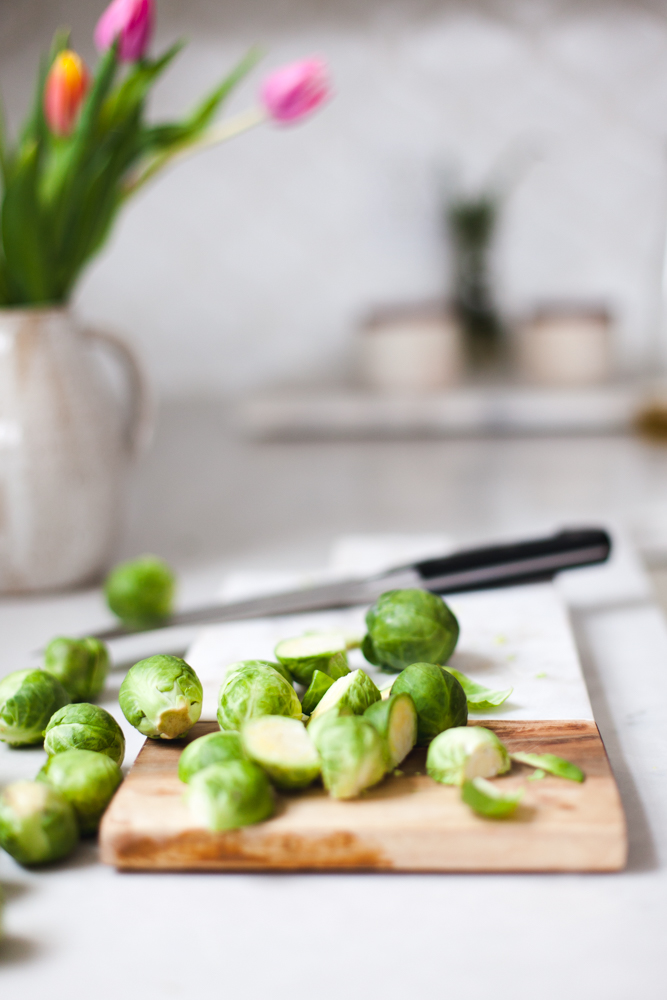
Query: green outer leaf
(410, 626)
(480, 698)
(81, 665)
(87, 780)
(253, 688)
(439, 699)
(213, 748)
(352, 754)
(85, 727)
(161, 696)
(37, 825)
(550, 762)
(317, 688)
(226, 796)
(28, 699)
(484, 799)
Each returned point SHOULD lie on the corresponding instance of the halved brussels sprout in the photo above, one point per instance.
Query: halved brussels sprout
(141, 592)
(439, 699)
(229, 795)
(466, 752)
(317, 688)
(550, 762)
(161, 697)
(81, 665)
(85, 727)
(214, 748)
(28, 699)
(396, 721)
(37, 824)
(487, 800)
(87, 780)
(480, 698)
(251, 688)
(324, 651)
(283, 748)
(352, 693)
(352, 753)
(409, 626)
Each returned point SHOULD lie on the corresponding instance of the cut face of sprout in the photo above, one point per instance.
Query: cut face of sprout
(283, 748)
(352, 693)
(324, 651)
(466, 752)
(396, 721)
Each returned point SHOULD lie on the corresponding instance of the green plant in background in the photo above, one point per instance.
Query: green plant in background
(87, 147)
(471, 224)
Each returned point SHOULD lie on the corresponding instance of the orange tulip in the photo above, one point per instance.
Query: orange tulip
(66, 86)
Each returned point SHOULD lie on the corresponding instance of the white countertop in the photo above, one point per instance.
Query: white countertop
(80, 927)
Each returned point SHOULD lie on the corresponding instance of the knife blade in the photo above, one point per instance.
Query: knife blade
(470, 569)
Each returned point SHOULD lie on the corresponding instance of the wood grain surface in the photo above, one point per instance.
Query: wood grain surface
(407, 823)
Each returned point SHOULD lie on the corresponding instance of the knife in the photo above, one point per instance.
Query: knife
(471, 569)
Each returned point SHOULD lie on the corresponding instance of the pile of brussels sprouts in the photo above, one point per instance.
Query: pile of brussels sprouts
(41, 821)
(343, 730)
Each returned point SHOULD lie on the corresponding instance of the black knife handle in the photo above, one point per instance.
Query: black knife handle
(520, 562)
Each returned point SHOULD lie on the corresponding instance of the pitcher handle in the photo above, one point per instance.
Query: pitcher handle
(141, 417)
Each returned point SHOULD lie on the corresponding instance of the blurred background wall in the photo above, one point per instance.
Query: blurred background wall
(253, 263)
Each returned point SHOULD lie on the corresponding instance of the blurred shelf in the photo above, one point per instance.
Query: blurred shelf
(470, 410)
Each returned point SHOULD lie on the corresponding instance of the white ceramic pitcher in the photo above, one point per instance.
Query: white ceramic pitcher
(67, 438)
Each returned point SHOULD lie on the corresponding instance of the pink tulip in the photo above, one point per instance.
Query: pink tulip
(293, 91)
(66, 86)
(131, 21)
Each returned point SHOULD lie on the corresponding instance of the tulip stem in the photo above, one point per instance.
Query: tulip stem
(229, 129)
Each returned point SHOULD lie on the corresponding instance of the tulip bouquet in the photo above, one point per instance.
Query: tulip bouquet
(87, 147)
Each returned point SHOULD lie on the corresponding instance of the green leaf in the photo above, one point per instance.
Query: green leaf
(480, 698)
(485, 799)
(133, 90)
(25, 241)
(550, 762)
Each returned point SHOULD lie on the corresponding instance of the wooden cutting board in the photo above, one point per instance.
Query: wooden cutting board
(407, 823)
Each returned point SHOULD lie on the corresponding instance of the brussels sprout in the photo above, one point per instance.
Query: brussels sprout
(485, 799)
(352, 753)
(466, 752)
(351, 694)
(251, 688)
(317, 688)
(480, 698)
(396, 721)
(409, 626)
(439, 699)
(283, 748)
(550, 762)
(214, 748)
(85, 727)
(323, 651)
(37, 824)
(87, 780)
(81, 666)
(141, 592)
(28, 699)
(161, 697)
(225, 796)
